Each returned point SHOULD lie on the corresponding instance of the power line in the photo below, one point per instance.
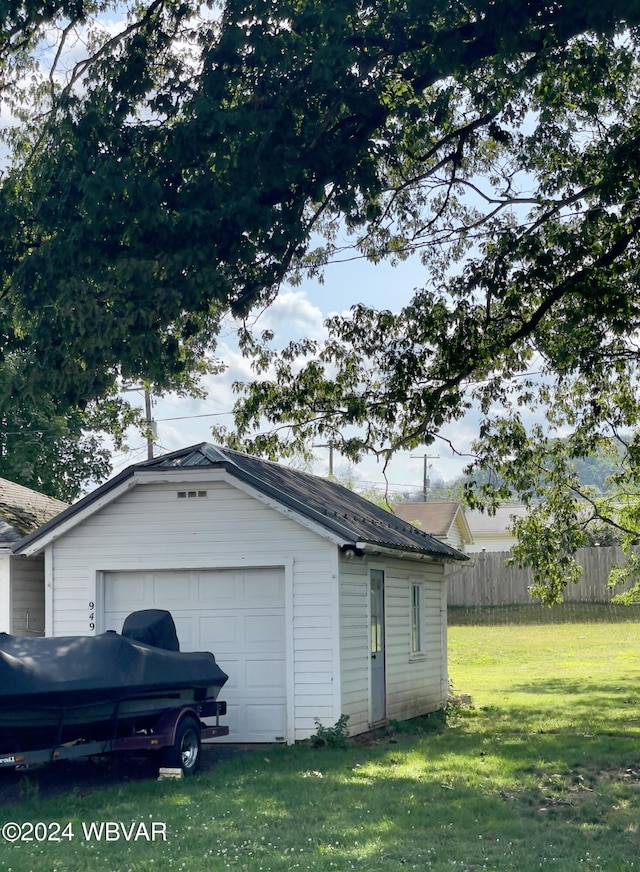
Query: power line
(189, 417)
(386, 485)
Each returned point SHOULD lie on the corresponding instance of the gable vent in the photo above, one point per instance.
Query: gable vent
(192, 495)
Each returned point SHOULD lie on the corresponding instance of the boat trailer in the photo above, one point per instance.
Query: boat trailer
(177, 734)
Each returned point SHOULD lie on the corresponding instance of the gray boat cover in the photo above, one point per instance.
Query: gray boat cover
(153, 626)
(79, 670)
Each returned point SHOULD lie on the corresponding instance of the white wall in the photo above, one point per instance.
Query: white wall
(21, 593)
(497, 542)
(415, 684)
(150, 528)
(5, 593)
(454, 538)
(27, 596)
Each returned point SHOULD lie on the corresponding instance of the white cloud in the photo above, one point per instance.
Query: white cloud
(183, 421)
(292, 317)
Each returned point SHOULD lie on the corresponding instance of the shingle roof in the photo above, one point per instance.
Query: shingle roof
(23, 510)
(434, 518)
(482, 523)
(338, 510)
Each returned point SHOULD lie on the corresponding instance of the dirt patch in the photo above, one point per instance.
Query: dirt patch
(627, 775)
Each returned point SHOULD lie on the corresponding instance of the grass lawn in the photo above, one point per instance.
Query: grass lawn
(542, 773)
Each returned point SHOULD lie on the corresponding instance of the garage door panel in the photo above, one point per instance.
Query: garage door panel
(217, 631)
(171, 589)
(268, 588)
(270, 717)
(235, 670)
(265, 673)
(260, 629)
(233, 719)
(185, 630)
(247, 676)
(217, 587)
(236, 614)
(136, 593)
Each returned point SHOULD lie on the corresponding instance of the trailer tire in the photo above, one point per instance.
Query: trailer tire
(185, 752)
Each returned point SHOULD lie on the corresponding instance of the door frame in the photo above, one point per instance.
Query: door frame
(377, 676)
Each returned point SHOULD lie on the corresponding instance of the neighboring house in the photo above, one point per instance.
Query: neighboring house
(491, 532)
(446, 521)
(316, 602)
(22, 511)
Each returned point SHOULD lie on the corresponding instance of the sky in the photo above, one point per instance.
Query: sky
(300, 312)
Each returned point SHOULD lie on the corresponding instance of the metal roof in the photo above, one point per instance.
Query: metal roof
(348, 516)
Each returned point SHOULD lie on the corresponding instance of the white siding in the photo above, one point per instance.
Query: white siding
(150, 528)
(354, 643)
(415, 685)
(5, 592)
(454, 538)
(27, 596)
(496, 542)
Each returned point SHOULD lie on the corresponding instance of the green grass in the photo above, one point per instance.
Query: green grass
(542, 773)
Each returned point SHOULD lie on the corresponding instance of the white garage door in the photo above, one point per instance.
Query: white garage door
(238, 615)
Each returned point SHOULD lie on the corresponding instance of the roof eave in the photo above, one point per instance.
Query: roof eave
(35, 542)
(153, 471)
(403, 552)
(467, 535)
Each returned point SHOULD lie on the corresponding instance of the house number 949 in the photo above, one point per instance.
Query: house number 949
(92, 616)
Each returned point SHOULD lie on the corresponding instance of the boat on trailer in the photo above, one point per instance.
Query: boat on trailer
(82, 695)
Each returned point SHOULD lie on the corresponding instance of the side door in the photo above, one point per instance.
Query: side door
(377, 636)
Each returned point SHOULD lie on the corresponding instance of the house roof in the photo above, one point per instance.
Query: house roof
(484, 524)
(23, 510)
(346, 516)
(435, 518)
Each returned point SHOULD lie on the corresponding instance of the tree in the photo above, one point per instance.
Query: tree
(51, 453)
(58, 452)
(566, 513)
(159, 188)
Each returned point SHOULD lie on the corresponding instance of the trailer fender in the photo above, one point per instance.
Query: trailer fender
(168, 722)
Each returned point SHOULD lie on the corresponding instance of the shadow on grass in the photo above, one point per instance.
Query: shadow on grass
(481, 794)
(434, 801)
(601, 695)
(604, 708)
(565, 613)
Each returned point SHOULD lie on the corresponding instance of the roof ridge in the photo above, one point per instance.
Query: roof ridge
(331, 505)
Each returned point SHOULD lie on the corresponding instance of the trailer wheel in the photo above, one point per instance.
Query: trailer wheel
(185, 752)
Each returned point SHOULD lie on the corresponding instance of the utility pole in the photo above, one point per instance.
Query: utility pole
(425, 473)
(329, 445)
(151, 424)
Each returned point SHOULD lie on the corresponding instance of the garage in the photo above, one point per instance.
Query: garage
(272, 570)
(239, 615)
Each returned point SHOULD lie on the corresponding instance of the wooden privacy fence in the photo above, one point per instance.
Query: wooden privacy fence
(487, 580)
